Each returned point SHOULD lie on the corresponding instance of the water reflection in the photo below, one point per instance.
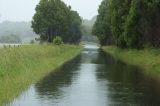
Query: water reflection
(52, 86)
(128, 85)
(93, 78)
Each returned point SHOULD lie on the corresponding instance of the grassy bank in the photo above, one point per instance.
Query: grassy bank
(147, 59)
(21, 66)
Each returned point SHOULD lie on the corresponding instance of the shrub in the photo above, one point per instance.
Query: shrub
(32, 42)
(57, 40)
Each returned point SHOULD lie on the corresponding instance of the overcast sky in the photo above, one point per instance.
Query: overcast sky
(23, 10)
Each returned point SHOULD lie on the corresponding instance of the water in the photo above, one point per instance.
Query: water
(93, 78)
(2, 45)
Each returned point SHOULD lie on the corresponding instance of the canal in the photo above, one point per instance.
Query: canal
(93, 78)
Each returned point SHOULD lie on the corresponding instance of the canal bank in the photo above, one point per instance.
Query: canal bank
(147, 59)
(22, 66)
(93, 78)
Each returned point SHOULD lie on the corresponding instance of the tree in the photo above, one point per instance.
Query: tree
(149, 22)
(130, 23)
(74, 31)
(101, 27)
(118, 11)
(142, 24)
(130, 30)
(53, 18)
(57, 40)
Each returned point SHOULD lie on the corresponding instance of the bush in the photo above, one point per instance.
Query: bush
(32, 42)
(58, 40)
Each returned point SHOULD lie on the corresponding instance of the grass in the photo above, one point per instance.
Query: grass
(148, 59)
(22, 66)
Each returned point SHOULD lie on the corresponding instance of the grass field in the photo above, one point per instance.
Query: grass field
(148, 59)
(22, 66)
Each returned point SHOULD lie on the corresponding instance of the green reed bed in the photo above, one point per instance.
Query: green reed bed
(148, 59)
(22, 66)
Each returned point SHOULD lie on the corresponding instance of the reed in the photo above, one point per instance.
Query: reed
(24, 65)
(148, 59)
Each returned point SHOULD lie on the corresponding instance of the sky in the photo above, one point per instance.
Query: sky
(23, 10)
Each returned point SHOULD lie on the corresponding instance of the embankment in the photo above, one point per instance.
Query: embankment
(147, 59)
(22, 66)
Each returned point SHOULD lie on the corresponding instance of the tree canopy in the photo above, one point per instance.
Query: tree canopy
(53, 18)
(128, 23)
(101, 27)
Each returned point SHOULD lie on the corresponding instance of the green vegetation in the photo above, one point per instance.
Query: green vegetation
(132, 27)
(21, 66)
(128, 23)
(87, 26)
(57, 40)
(101, 27)
(147, 59)
(54, 17)
(32, 41)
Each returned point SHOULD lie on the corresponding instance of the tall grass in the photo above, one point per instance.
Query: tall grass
(21, 66)
(148, 59)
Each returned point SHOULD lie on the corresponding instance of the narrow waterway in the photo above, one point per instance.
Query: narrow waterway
(93, 78)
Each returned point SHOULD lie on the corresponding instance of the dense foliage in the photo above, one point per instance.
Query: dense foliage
(129, 23)
(54, 18)
(101, 27)
(58, 40)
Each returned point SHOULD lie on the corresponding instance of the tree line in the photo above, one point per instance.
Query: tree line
(21, 29)
(54, 18)
(10, 39)
(128, 23)
(87, 26)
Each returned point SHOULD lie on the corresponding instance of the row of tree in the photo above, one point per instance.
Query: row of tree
(10, 39)
(87, 26)
(128, 23)
(54, 18)
(20, 29)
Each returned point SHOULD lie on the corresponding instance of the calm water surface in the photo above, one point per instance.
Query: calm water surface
(93, 79)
